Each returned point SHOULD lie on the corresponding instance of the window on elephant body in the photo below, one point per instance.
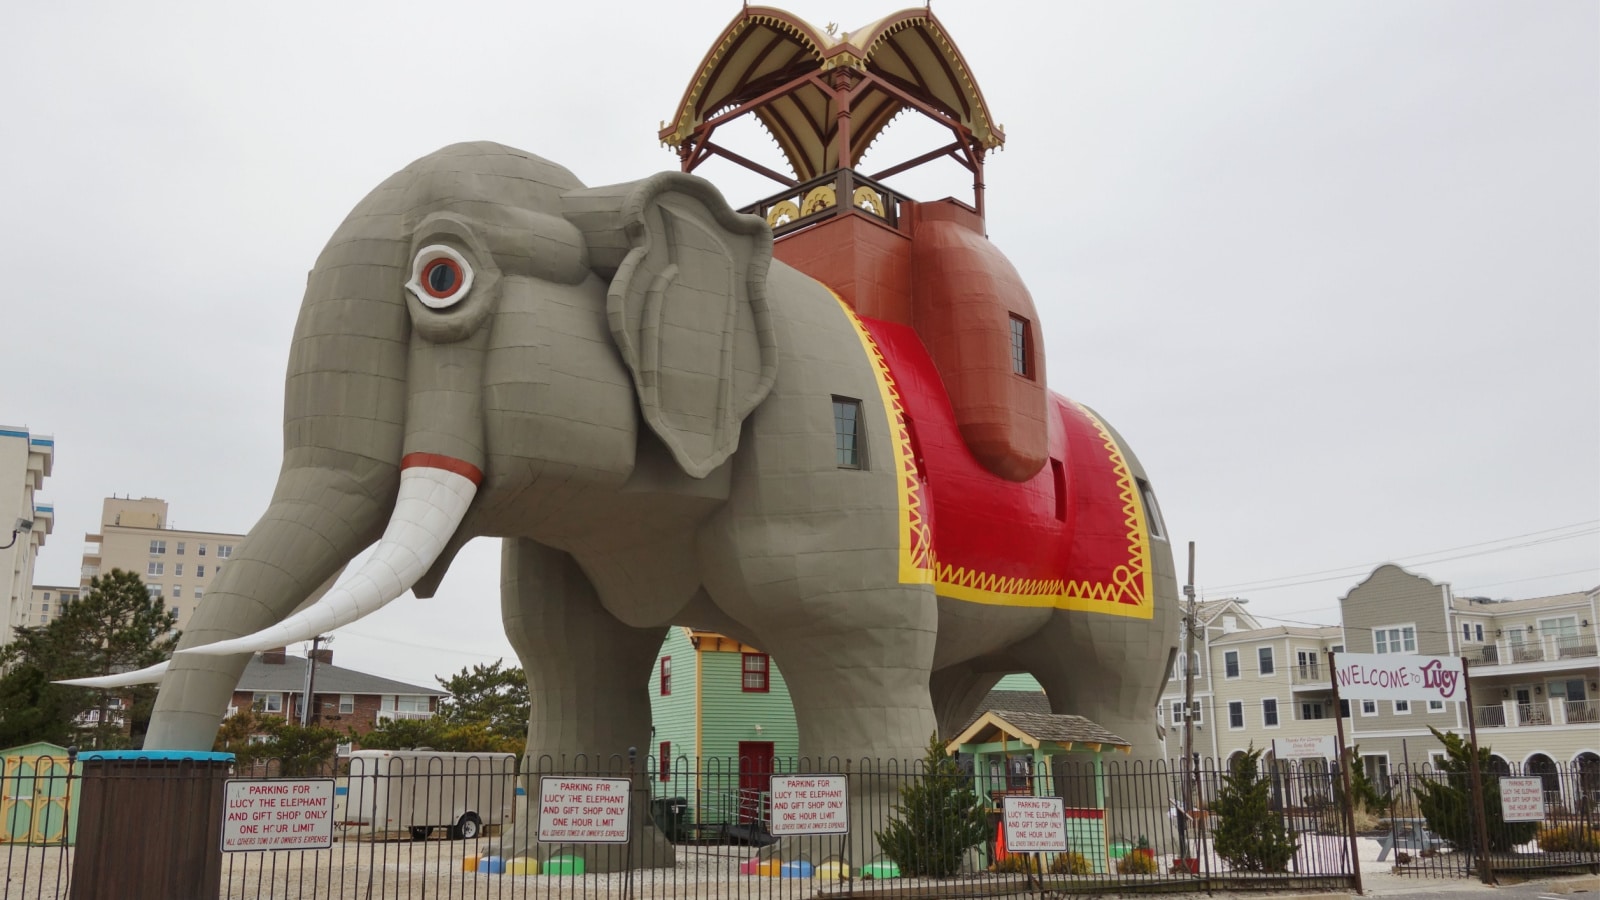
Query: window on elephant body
(847, 433)
(755, 668)
(1152, 512)
(1021, 347)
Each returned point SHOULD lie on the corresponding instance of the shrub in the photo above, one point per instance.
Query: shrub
(1251, 836)
(1569, 838)
(1071, 864)
(939, 817)
(1016, 864)
(1446, 804)
(1137, 864)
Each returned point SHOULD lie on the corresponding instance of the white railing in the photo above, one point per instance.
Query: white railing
(1308, 673)
(1491, 716)
(1576, 646)
(1531, 649)
(1583, 712)
(1533, 714)
(385, 715)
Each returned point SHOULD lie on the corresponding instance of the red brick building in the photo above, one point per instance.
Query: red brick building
(275, 682)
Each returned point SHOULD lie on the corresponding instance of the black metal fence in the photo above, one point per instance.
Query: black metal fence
(1430, 826)
(441, 825)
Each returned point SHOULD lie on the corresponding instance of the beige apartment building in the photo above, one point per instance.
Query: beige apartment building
(26, 460)
(177, 566)
(46, 603)
(1533, 672)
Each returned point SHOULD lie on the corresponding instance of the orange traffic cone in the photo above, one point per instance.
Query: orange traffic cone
(1000, 841)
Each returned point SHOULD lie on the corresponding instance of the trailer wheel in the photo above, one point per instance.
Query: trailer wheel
(420, 832)
(468, 828)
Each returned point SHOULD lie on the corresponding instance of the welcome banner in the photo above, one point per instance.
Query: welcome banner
(1393, 676)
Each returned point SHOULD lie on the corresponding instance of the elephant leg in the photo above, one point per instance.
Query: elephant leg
(588, 684)
(957, 691)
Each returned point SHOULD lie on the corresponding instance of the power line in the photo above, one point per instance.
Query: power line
(1420, 558)
(1479, 587)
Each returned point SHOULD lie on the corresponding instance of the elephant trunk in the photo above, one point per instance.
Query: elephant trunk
(434, 494)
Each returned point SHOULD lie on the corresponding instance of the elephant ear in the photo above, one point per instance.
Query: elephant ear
(687, 306)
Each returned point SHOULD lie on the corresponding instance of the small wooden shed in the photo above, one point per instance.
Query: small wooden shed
(1014, 753)
(38, 800)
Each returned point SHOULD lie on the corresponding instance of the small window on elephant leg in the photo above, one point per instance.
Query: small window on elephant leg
(848, 448)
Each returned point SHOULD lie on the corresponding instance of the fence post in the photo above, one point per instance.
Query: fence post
(1344, 775)
(1481, 825)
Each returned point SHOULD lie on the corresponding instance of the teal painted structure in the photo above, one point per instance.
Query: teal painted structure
(707, 716)
(37, 799)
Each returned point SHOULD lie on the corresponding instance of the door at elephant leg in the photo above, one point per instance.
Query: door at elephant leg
(755, 780)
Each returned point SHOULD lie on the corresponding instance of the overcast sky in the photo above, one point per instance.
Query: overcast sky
(1333, 269)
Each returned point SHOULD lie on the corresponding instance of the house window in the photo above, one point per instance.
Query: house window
(1395, 639)
(155, 568)
(847, 433)
(1466, 631)
(1369, 707)
(1402, 707)
(270, 703)
(1477, 630)
(1311, 710)
(174, 612)
(158, 548)
(664, 754)
(1344, 709)
(179, 549)
(198, 593)
(1264, 660)
(1230, 663)
(225, 550)
(1269, 712)
(1177, 711)
(347, 704)
(1235, 714)
(342, 749)
(200, 549)
(755, 673)
(414, 703)
(199, 571)
(1435, 706)
(1152, 511)
(153, 590)
(177, 568)
(177, 590)
(1020, 347)
(666, 675)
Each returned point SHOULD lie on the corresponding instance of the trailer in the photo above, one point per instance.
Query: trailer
(412, 793)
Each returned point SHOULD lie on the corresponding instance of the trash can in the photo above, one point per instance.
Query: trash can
(668, 813)
(151, 825)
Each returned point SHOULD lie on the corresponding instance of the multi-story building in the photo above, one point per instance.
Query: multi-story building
(1533, 676)
(26, 460)
(46, 602)
(177, 566)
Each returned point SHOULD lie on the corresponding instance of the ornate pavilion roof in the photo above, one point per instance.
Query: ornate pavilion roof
(912, 60)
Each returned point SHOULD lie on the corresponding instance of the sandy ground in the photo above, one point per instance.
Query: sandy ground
(433, 869)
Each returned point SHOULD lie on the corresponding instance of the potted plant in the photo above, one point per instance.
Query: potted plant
(1143, 849)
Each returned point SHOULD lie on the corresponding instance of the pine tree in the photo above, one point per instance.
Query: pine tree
(938, 819)
(1250, 836)
(493, 696)
(113, 627)
(1447, 804)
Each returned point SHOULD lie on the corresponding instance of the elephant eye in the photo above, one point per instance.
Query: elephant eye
(440, 276)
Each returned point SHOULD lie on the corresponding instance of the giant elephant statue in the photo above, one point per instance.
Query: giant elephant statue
(668, 427)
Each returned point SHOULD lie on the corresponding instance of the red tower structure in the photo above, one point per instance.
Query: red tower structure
(825, 97)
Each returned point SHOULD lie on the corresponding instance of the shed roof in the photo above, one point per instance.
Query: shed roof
(1038, 729)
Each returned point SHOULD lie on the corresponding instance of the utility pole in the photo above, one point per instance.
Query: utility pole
(1189, 773)
(311, 680)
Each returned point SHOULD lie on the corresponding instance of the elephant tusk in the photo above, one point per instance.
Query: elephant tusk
(434, 495)
(146, 675)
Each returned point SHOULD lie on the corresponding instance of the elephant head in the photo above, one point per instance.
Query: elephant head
(481, 321)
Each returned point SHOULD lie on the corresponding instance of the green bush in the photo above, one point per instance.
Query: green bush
(1251, 836)
(938, 819)
(1446, 804)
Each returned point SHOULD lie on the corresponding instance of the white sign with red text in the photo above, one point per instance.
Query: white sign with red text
(810, 804)
(1320, 747)
(1522, 799)
(575, 809)
(1036, 825)
(278, 814)
(1397, 676)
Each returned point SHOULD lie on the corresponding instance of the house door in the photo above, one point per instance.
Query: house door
(1307, 662)
(755, 780)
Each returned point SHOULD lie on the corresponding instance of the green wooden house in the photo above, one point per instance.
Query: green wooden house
(722, 721)
(38, 802)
